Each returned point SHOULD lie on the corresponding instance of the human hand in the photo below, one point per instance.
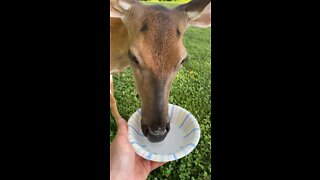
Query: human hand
(125, 164)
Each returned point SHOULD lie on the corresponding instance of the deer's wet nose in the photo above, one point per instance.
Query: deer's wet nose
(145, 130)
(155, 133)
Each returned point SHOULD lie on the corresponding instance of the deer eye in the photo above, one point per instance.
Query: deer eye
(133, 58)
(184, 60)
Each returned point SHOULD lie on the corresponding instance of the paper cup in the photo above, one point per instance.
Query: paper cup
(181, 140)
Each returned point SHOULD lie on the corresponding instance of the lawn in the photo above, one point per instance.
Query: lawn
(191, 90)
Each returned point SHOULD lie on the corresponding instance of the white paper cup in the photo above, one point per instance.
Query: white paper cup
(182, 138)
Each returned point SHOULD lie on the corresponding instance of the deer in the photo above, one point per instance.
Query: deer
(148, 38)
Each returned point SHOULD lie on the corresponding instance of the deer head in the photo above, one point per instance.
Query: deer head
(156, 53)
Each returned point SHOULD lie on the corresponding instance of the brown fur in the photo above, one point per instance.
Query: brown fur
(152, 34)
(157, 43)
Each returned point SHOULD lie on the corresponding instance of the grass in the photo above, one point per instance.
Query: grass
(191, 90)
(165, 3)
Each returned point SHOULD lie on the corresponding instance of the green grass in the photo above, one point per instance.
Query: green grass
(165, 1)
(167, 4)
(191, 90)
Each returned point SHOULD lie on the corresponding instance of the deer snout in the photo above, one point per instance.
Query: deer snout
(155, 133)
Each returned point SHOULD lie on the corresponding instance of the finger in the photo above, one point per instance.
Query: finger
(141, 159)
(155, 165)
(122, 125)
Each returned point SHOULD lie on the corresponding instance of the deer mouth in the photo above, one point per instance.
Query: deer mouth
(155, 133)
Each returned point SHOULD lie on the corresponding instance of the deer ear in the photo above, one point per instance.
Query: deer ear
(119, 7)
(201, 19)
(198, 12)
(114, 12)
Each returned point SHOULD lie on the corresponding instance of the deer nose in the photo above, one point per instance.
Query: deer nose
(155, 133)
